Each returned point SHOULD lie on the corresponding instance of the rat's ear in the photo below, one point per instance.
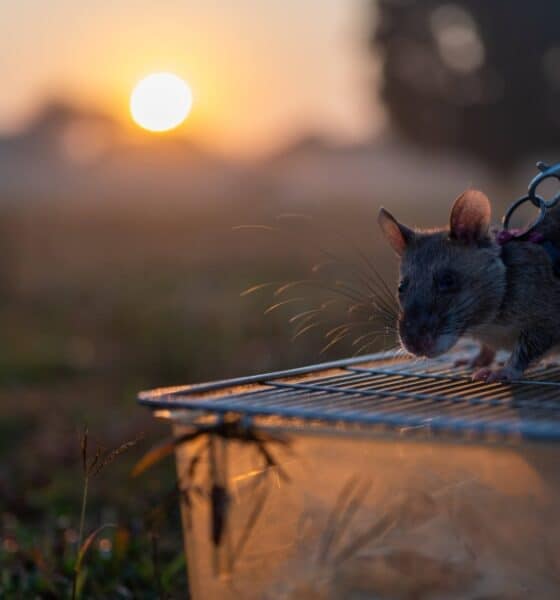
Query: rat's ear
(397, 234)
(470, 217)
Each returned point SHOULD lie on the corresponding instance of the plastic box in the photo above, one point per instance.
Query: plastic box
(371, 478)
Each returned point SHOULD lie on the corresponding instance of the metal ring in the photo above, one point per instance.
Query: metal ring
(546, 173)
(537, 201)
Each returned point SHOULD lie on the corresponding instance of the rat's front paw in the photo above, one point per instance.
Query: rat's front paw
(483, 358)
(503, 374)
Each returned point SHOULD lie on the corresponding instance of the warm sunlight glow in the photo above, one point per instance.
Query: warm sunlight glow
(160, 102)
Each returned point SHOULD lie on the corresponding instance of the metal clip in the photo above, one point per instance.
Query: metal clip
(538, 201)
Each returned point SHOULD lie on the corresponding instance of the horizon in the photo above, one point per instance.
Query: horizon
(130, 132)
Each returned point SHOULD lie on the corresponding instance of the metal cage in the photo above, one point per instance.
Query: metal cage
(381, 390)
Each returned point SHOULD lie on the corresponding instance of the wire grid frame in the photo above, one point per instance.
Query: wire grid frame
(382, 392)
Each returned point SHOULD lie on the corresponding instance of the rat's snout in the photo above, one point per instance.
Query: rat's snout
(418, 330)
(420, 341)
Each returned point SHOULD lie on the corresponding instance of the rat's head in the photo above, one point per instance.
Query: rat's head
(451, 279)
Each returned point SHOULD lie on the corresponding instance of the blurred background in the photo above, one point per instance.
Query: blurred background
(125, 252)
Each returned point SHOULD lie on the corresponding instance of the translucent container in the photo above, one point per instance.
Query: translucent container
(372, 478)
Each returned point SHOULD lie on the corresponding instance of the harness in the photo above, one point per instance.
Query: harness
(529, 234)
(534, 237)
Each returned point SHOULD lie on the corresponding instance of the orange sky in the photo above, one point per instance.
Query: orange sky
(260, 70)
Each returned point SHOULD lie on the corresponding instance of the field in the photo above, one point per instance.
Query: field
(97, 303)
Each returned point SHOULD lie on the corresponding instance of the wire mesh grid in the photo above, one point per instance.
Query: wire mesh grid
(383, 391)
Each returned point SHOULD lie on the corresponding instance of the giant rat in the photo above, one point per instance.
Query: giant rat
(461, 280)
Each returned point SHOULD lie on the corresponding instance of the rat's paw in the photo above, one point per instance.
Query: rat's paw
(481, 374)
(484, 358)
(503, 374)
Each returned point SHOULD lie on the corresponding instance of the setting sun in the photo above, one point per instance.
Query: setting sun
(160, 102)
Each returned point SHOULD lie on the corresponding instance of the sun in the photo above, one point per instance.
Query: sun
(160, 102)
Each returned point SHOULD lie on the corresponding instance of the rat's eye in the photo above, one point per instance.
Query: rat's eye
(403, 285)
(447, 282)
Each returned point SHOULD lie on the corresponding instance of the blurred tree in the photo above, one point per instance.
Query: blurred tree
(477, 75)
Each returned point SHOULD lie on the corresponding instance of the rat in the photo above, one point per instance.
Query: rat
(461, 281)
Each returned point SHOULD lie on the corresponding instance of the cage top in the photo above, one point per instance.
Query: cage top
(383, 391)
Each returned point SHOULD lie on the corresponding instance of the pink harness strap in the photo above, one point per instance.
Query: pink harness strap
(507, 235)
(534, 237)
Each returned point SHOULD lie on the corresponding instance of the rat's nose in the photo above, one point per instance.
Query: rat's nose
(418, 336)
(422, 343)
(425, 342)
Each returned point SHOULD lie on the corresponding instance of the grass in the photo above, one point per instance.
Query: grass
(56, 544)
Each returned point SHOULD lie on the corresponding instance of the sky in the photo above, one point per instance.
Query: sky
(261, 71)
